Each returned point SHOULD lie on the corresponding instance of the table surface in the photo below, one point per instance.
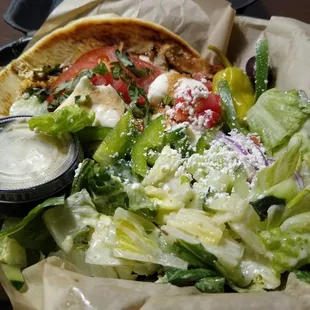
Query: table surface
(298, 9)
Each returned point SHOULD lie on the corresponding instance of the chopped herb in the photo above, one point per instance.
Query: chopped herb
(139, 73)
(53, 105)
(82, 100)
(168, 100)
(126, 62)
(124, 59)
(69, 86)
(101, 69)
(116, 70)
(40, 93)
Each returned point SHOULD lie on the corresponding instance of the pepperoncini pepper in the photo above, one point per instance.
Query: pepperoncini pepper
(241, 88)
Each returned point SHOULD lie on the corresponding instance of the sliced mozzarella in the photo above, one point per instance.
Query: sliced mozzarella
(105, 102)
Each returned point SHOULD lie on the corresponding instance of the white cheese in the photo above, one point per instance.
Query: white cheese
(104, 101)
(158, 89)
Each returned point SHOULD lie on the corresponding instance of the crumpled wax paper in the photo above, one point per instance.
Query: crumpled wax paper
(56, 284)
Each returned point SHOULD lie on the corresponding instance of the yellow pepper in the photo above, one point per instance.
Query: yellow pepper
(241, 88)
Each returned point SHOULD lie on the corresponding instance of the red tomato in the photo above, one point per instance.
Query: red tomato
(88, 60)
(147, 80)
(102, 79)
(210, 103)
(209, 108)
(199, 76)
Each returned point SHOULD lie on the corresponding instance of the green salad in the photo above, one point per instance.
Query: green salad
(205, 183)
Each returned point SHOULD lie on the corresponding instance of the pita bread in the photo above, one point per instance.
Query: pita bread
(70, 42)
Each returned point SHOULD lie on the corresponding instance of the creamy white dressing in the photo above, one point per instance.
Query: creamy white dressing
(29, 159)
(105, 102)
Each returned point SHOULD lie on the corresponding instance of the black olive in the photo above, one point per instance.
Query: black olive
(250, 71)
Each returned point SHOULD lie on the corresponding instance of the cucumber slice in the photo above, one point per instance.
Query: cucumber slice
(14, 275)
(261, 68)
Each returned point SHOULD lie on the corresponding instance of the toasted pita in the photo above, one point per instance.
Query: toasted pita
(134, 35)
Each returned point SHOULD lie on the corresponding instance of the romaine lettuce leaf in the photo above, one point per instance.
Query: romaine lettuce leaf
(281, 170)
(257, 270)
(139, 202)
(287, 249)
(12, 253)
(276, 116)
(138, 239)
(69, 119)
(73, 223)
(100, 252)
(164, 169)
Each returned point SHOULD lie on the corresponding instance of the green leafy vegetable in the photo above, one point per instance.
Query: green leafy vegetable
(107, 192)
(69, 222)
(261, 68)
(101, 69)
(126, 62)
(189, 277)
(139, 202)
(195, 254)
(303, 275)
(68, 119)
(12, 253)
(211, 285)
(281, 170)
(262, 205)
(276, 116)
(56, 201)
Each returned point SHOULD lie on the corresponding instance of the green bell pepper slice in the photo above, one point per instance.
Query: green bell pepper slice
(151, 138)
(118, 141)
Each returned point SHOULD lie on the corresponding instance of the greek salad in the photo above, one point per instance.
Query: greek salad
(186, 179)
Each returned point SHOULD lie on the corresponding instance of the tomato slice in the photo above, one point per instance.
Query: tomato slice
(88, 60)
(146, 81)
(106, 54)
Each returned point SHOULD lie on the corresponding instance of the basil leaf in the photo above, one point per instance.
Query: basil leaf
(101, 69)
